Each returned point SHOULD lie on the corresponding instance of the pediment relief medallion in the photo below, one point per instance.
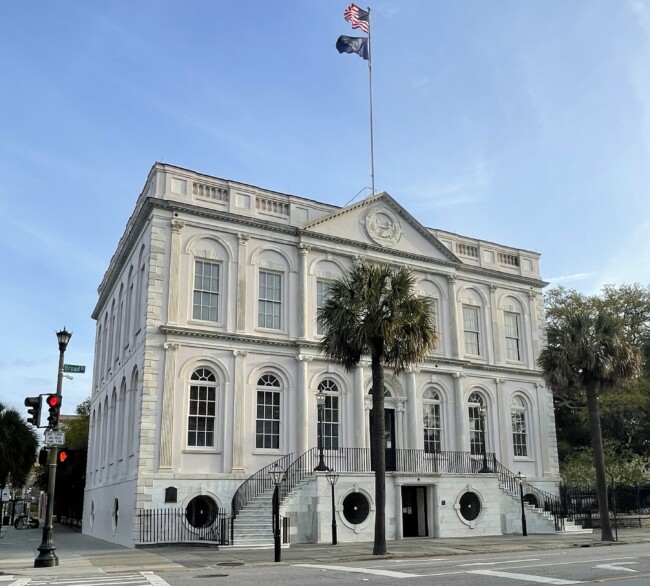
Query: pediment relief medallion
(382, 226)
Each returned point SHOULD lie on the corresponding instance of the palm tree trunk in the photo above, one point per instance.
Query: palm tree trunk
(599, 463)
(378, 454)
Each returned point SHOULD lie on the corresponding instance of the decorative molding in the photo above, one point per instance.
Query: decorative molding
(304, 358)
(177, 225)
(243, 238)
(239, 352)
(172, 346)
(303, 249)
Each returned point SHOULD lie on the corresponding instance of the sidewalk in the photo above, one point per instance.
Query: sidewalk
(80, 554)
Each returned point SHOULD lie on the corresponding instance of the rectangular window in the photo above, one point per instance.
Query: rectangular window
(269, 312)
(331, 423)
(206, 291)
(520, 445)
(322, 289)
(200, 424)
(512, 336)
(471, 328)
(431, 425)
(267, 427)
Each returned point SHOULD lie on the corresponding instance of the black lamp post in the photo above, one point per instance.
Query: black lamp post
(520, 478)
(47, 558)
(277, 474)
(332, 477)
(320, 400)
(482, 410)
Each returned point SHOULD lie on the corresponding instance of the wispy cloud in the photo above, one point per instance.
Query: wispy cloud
(562, 279)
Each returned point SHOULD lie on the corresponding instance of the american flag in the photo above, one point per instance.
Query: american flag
(357, 17)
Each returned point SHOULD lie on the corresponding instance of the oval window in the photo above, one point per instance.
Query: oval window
(201, 511)
(356, 508)
(470, 506)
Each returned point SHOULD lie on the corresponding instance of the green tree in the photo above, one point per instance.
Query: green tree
(587, 353)
(374, 311)
(18, 447)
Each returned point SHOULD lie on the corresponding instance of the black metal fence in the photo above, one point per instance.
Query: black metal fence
(172, 525)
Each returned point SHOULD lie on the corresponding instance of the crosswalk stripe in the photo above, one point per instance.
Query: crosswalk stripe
(129, 579)
(387, 573)
(525, 577)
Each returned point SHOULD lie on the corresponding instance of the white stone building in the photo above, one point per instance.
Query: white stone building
(206, 369)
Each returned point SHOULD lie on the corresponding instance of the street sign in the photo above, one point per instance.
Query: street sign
(54, 438)
(74, 368)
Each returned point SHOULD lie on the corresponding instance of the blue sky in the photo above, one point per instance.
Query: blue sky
(524, 123)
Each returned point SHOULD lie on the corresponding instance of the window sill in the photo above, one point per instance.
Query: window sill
(200, 450)
(266, 452)
(522, 459)
(281, 332)
(206, 323)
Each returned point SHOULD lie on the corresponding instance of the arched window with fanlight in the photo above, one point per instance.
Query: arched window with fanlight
(331, 415)
(519, 428)
(476, 431)
(431, 421)
(267, 424)
(202, 409)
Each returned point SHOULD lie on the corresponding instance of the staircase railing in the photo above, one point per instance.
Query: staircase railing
(440, 462)
(546, 501)
(257, 484)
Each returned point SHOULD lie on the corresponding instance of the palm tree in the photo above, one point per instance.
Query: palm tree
(374, 311)
(587, 352)
(18, 447)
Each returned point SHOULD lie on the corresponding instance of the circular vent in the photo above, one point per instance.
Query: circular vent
(356, 508)
(470, 506)
(201, 511)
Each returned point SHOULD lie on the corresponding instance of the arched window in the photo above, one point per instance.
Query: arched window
(476, 424)
(519, 432)
(267, 424)
(330, 414)
(431, 421)
(202, 412)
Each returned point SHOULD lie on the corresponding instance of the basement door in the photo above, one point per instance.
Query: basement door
(414, 511)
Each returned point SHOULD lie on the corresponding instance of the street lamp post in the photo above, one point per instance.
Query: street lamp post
(520, 481)
(47, 558)
(485, 469)
(277, 474)
(332, 477)
(320, 400)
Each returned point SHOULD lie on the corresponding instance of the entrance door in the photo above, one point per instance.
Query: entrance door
(414, 511)
(389, 427)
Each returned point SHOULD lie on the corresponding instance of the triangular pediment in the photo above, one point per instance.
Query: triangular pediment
(382, 222)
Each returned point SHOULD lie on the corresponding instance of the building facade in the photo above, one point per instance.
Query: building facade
(207, 366)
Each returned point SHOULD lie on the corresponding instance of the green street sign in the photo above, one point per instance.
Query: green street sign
(74, 368)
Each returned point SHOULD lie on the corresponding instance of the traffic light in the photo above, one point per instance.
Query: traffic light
(54, 403)
(65, 456)
(34, 404)
(42, 457)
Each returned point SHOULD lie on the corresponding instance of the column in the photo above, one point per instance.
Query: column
(238, 412)
(496, 335)
(462, 432)
(533, 343)
(505, 429)
(543, 435)
(399, 424)
(399, 528)
(359, 409)
(411, 409)
(167, 424)
(174, 271)
(242, 265)
(453, 317)
(303, 249)
(301, 424)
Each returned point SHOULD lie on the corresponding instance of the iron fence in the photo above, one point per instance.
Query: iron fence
(174, 525)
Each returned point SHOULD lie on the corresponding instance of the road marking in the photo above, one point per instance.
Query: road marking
(525, 577)
(154, 579)
(131, 579)
(386, 573)
(404, 561)
(20, 581)
(500, 562)
(617, 567)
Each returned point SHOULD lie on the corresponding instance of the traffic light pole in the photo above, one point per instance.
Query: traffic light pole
(47, 558)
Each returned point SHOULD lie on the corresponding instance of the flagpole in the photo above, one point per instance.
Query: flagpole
(372, 138)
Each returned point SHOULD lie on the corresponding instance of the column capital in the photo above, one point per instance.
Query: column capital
(532, 294)
(243, 238)
(493, 287)
(413, 369)
(458, 375)
(500, 381)
(304, 358)
(451, 279)
(303, 249)
(177, 225)
(240, 352)
(171, 346)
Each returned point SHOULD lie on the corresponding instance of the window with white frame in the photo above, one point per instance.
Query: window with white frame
(431, 421)
(202, 408)
(519, 432)
(471, 330)
(322, 289)
(476, 431)
(330, 414)
(269, 312)
(267, 425)
(206, 290)
(435, 311)
(511, 321)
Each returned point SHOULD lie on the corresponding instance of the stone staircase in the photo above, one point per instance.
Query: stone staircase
(253, 526)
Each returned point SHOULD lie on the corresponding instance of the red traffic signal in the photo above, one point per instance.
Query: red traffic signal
(54, 403)
(63, 455)
(34, 411)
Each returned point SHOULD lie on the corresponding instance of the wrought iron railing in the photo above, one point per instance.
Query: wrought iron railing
(172, 525)
(442, 462)
(257, 484)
